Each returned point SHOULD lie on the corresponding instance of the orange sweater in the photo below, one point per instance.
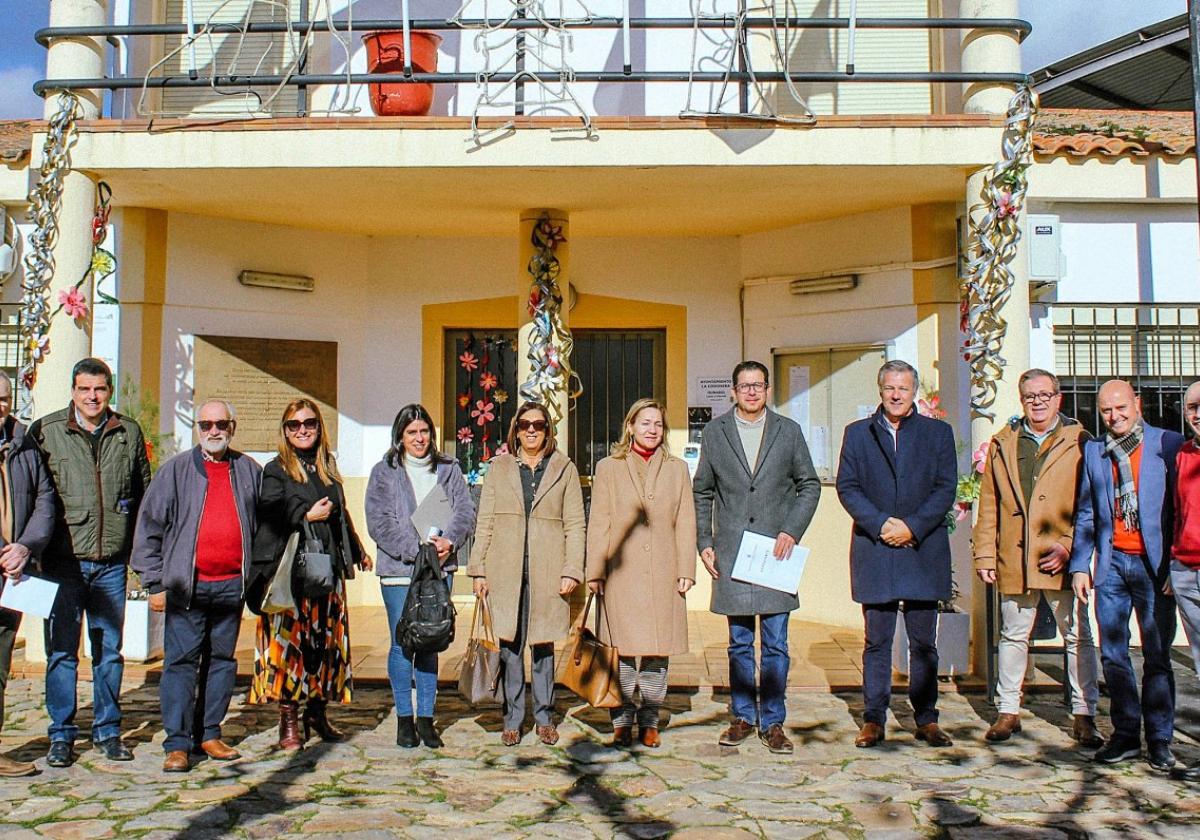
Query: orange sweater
(1124, 540)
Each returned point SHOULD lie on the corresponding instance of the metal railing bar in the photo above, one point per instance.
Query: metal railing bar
(1022, 27)
(597, 76)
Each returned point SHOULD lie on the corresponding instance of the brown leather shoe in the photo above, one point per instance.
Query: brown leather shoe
(11, 768)
(870, 735)
(622, 736)
(776, 741)
(219, 750)
(1084, 731)
(176, 762)
(649, 738)
(1005, 725)
(933, 735)
(548, 734)
(737, 732)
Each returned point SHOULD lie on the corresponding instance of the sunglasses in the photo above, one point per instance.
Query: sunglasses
(293, 426)
(536, 425)
(221, 425)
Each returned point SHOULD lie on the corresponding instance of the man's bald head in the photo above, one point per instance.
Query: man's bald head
(1120, 407)
(1191, 408)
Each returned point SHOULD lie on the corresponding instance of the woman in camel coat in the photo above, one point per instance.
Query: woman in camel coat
(527, 560)
(642, 558)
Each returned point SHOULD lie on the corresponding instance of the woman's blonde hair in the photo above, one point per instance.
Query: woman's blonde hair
(621, 448)
(327, 469)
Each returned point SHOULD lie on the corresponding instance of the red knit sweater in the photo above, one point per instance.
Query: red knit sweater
(219, 541)
(1187, 506)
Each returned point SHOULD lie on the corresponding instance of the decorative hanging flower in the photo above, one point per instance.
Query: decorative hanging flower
(73, 303)
(488, 381)
(468, 361)
(551, 233)
(487, 452)
(473, 477)
(961, 511)
(931, 407)
(502, 449)
(1005, 206)
(464, 400)
(500, 396)
(103, 263)
(552, 360)
(465, 435)
(979, 457)
(39, 347)
(482, 412)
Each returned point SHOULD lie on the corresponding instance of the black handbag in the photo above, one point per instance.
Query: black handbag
(426, 624)
(313, 569)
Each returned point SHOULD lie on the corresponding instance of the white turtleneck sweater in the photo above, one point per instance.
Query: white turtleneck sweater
(420, 476)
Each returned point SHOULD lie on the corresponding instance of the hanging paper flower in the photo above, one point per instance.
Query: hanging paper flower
(39, 348)
(931, 407)
(500, 396)
(961, 511)
(552, 233)
(468, 361)
(103, 263)
(73, 303)
(552, 357)
(488, 381)
(1005, 206)
(502, 449)
(473, 477)
(465, 435)
(482, 412)
(979, 457)
(487, 452)
(464, 400)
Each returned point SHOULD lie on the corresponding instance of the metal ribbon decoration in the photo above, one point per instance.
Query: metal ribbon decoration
(45, 202)
(550, 342)
(995, 234)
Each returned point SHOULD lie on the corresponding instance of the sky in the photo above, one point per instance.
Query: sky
(1060, 28)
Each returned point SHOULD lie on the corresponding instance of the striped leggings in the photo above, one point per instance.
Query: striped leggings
(648, 676)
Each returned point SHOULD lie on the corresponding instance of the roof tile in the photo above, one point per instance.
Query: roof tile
(16, 140)
(1113, 133)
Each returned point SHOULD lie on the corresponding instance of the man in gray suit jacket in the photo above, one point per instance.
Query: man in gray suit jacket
(755, 474)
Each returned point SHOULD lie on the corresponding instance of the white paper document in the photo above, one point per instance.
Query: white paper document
(30, 595)
(756, 563)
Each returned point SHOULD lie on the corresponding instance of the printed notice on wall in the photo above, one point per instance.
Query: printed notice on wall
(799, 381)
(818, 448)
(713, 391)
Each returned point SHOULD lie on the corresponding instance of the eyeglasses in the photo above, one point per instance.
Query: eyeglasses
(536, 425)
(751, 387)
(221, 425)
(1040, 397)
(293, 426)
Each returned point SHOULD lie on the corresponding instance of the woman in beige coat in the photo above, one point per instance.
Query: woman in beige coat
(642, 558)
(527, 560)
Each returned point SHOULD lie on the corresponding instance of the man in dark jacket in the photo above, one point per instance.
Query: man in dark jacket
(26, 524)
(755, 474)
(897, 479)
(98, 464)
(192, 549)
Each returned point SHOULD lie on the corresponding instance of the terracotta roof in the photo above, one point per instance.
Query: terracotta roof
(1084, 133)
(16, 139)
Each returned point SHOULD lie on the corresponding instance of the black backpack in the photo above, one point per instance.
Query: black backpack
(427, 623)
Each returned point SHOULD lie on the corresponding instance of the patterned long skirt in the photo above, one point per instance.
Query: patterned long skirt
(304, 656)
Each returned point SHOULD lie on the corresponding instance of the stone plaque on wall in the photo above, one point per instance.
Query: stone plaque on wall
(260, 376)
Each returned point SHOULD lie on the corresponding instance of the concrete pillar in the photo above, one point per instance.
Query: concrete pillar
(991, 51)
(530, 218)
(69, 342)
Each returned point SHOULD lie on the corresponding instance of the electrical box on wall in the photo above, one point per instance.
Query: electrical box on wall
(1044, 237)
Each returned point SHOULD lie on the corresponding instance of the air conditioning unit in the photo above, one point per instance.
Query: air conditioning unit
(1044, 239)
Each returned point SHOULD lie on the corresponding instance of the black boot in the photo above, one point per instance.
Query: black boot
(406, 736)
(429, 736)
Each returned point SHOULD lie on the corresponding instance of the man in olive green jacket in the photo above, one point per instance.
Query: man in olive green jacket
(99, 469)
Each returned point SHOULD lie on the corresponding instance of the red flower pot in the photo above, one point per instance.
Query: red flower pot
(385, 54)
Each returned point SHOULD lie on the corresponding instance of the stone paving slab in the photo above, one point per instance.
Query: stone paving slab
(1037, 785)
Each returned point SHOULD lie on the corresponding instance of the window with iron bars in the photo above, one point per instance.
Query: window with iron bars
(1155, 347)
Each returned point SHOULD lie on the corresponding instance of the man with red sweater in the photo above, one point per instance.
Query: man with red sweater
(1185, 559)
(192, 549)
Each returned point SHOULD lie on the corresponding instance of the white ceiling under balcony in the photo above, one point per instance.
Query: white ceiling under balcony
(687, 180)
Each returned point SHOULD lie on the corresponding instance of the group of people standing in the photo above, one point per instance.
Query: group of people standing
(211, 532)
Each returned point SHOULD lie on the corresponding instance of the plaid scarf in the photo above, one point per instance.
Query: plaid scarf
(1119, 449)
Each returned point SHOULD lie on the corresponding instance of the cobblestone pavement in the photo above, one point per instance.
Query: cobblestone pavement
(1037, 785)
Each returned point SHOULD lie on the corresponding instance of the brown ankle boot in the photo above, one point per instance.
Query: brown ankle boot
(315, 719)
(1004, 727)
(289, 726)
(1084, 731)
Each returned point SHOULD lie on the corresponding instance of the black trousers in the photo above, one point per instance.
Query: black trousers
(920, 623)
(199, 667)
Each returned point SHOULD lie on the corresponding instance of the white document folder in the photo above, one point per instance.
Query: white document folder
(756, 563)
(29, 595)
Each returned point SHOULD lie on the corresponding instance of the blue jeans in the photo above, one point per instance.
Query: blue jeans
(97, 589)
(401, 667)
(760, 701)
(1129, 587)
(199, 667)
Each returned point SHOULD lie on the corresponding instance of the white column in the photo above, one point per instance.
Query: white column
(69, 342)
(989, 51)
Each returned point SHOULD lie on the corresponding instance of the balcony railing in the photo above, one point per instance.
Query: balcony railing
(747, 62)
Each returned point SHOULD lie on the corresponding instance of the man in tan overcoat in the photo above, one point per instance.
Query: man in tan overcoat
(1022, 543)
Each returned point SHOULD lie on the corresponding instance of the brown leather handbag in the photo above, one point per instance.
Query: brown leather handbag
(479, 674)
(592, 668)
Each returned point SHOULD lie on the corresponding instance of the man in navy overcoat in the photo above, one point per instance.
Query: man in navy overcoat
(897, 480)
